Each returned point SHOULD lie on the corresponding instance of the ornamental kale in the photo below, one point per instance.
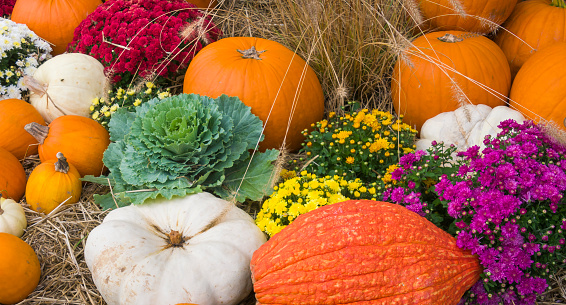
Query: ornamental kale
(506, 204)
(185, 144)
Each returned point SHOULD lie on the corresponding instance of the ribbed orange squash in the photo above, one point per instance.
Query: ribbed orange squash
(279, 86)
(53, 20)
(12, 176)
(362, 251)
(538, 89)
(51, 183)
(533, 25)
(82, 140)
(480, 16)
(19, 269)
(14, 115)
(426, 76)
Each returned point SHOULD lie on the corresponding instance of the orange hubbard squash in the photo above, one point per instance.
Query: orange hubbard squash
(362, 251)
(278, 85)
(51, 183)
(53, 20)
(533, 25)
(444, 70)
(12, 176)
(82, 140)
(14, 115)
(538, 89)
(479, 16)
(20, 270)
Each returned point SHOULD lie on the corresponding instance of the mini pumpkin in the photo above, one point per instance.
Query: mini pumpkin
(20, 270)
(445, 70)
(12, 217)
(466, 126)
(12, 176)
(66, 85)
(82, 140)
(362, 252)
(189, 249)
(54, 20)
(538, 89)
(14, 115)
(279, 86)
(52, 183)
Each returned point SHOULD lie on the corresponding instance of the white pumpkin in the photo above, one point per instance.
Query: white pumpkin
(466, 126)
(193, 249)
(66, 85)
(12, 217)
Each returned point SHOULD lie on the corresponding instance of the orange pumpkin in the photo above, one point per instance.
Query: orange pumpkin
(204, 4)
(533, 25)
(362, 252)
(14, 115)
(538, 89)
(12, 176)
(82, 140)
(51, 183)
(478, 16)
(278, 85)
(20, 270)
(445, 70)
(53, 20)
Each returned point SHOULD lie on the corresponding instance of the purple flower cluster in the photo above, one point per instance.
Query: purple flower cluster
(506, 204)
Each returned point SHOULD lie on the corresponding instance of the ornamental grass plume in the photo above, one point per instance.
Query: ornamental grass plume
(141, 38)
(505, 203)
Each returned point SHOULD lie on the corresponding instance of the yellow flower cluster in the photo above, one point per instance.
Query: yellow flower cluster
(102, 108)
(302, 193)
(359, 144)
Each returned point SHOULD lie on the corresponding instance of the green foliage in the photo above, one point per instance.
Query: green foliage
(185, 144)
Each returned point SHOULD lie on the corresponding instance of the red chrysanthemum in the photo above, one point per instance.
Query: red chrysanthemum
(6, 8)
(144, 38)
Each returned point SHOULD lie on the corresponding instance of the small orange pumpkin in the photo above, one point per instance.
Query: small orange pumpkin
(279, 86)
(538, 89)
(20, 270)
(445, 70)
(533, 25)
(53, 20)
(51, 183)
(12, 176)
(82, 140)
(14, 115)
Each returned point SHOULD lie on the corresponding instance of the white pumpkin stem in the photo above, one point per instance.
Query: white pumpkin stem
(40, 89)
(175, 239)
(61, 165)
(38, 131)
(251, 53)
(450, 38)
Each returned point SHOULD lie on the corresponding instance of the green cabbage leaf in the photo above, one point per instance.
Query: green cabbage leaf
(185, 144)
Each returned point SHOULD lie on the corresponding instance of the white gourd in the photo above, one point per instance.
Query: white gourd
(66, 85)
(12, 217)
(137, 257)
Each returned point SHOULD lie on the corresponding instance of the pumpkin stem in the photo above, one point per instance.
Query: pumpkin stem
(40, 89)
(61, 165)
(450, 38)
(38, 131)
(251, 53)
(559, 3)
(176, 239)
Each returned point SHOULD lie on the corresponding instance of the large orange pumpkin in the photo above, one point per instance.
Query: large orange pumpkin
(53, 20)
(12, 176)
(204, 4)
(532, 26)
(278, 85)
(20, 270)
(82, 140)
(480, 16)
(14, 115)
(52, 183)
(445, 70)
(538, 89)
(362, 252)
